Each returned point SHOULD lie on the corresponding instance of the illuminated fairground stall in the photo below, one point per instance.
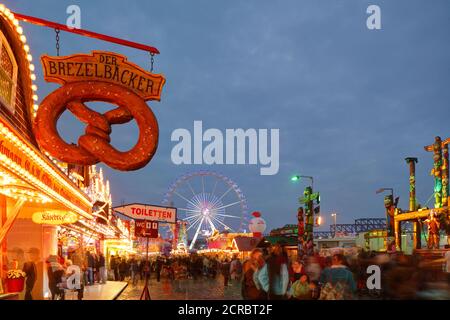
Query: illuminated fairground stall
(37, 193)
(47, 207)
(227, 244)
(105, 233)
(430, 224)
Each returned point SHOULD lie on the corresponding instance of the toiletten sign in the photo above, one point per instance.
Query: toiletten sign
(148, 212)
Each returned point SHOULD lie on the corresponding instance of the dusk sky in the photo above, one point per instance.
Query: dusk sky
(350, 103)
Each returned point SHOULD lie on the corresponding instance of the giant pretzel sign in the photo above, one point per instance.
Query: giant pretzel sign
(106, 77)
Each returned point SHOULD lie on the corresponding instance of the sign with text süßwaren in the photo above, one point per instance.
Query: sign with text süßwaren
(148, 212)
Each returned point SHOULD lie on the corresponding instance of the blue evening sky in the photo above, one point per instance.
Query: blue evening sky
(350, 103)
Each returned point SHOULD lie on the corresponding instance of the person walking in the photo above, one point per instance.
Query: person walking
(90, 267)
(337, 281)
(302, 289)
(225, 269)
(296, 271)
(447, 262)
(123, 269)
(31, 272)
(274, 276)
(55, 272)
(235, 269)
(249, 288)
(79, 262)
(158, 268)
(102, 268)
(114, 265)
(134, 269)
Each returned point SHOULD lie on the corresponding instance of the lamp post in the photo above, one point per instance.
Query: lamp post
(298, 178)
(381, 190)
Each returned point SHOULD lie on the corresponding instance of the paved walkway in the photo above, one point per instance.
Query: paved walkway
(109, 291)
(200, 289)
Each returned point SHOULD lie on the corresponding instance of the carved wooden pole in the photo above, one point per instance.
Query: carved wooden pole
(412, 200)
(436, 148)
(445, 173)
(397, 232)
(412, 183)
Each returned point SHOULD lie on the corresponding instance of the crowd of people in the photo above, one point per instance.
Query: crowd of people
(267, 274)
(270, 274)
(92, 268)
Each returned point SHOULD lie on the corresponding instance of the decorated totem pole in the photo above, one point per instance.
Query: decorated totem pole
(390, 206)
(440, 171)
(413, 206)
(306, 219)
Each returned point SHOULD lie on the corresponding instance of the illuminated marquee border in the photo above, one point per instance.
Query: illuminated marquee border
(35, 156)
(30, 151)
(5, 12)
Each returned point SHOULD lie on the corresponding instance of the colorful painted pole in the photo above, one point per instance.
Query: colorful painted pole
(445, 173)
(300, 232)
(308, 237)
(397, 232)
(390, 206)
(412, 183)
(412, 201)
(436, 147)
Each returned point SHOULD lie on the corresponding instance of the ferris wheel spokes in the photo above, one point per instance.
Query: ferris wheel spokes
(227, 215)
(196, 234)
(226, 227)
(228, 205)
(204, 207)
(182, 197)
(226, 192)
(190, 187)
(194, 224)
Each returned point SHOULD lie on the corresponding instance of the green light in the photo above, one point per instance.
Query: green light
(295, 178)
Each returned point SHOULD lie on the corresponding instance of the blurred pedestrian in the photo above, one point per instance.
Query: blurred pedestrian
(250, 289)
(225, 270)
(274, 276)
(337, 281)
(102, 268)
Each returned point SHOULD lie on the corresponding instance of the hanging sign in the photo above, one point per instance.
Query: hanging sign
(148, 212)
(146, 229)
(105, 77)
(54, 217)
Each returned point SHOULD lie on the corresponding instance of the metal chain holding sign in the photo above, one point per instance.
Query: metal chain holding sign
(152, 61)
(57, 31)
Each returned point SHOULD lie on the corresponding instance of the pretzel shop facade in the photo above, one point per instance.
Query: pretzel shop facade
(37, 195)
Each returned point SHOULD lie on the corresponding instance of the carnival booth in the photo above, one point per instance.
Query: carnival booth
(36, 192)
(50, 207)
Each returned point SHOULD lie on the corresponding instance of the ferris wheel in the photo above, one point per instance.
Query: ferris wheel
(209, 202)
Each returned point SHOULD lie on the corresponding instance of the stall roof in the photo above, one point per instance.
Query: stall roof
(245, 243)
(271, 240)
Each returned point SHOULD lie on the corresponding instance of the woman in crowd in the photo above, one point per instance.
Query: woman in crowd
(225, 269)
(55, 273)
(274, 276)
(337, 281)
(296, 271)
(250, 289)
(302, 289)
